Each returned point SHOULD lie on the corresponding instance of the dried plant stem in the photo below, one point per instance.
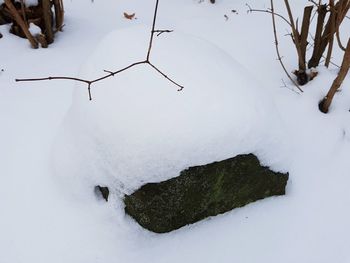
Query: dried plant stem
(58, 14)
(251, 10)
(296, 37)
(21, 23)
(332, 32)
(277, 49)
(344, 69)
(46, 5)
(324, 33)
(24, 13)
(304, 34)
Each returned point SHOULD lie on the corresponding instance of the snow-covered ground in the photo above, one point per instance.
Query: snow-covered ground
(55, 144)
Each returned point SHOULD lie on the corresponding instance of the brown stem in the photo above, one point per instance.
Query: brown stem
(277, 49)
(341, 12)
(296, 35)
(341, 7)
(318, 51)
(24, 13)
(58, 14)
(344, 69)
(304, 33)
(332, 19)
(21, 23)
(339, 41)
(47, 13)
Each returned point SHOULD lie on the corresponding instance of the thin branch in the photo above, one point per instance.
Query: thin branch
(89, 82)
(162, 31)
(331, 62)
(251, 10)
(277, 49)
(152, 31)
(165, 76)
(285, 86)
(54, 78)
(113, 73)
(89, 90)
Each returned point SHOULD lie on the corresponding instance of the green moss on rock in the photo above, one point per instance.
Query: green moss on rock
(203, 191)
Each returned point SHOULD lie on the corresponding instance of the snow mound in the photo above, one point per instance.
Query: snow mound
(138, 128)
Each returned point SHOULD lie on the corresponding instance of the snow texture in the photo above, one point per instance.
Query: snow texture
(55, 147)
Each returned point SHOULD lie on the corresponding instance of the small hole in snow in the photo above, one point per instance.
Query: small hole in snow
(102, 192)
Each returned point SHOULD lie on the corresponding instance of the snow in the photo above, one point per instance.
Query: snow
(34, 29)
(31, 2)
(139, 128)
(55, 146)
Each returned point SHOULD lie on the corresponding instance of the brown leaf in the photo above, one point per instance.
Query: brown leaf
(127, 16)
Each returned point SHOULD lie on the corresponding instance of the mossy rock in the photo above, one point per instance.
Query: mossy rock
(203, 191)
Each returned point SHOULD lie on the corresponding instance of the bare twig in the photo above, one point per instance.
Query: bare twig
(152, 31)
(165, 76)
(162, 31)
(277, 49)
(331, 62)
(251, 10)
(147, 61)
(287, 87)
(296, 35)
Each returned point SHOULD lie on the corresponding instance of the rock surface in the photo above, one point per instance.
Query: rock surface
(203, 191)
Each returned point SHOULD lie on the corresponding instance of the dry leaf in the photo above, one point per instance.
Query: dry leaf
(127, 16)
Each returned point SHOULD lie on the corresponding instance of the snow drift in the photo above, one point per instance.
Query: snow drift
(138, 128)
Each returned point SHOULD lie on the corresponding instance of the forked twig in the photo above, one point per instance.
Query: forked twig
(251, 10)
(113, 73)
